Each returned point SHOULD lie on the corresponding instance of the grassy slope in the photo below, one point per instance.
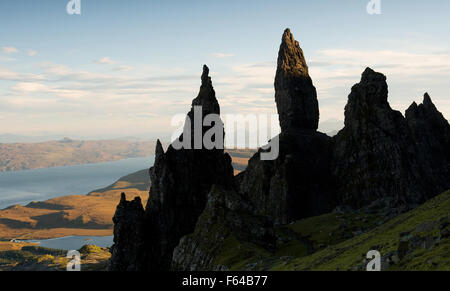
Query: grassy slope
(32, 258)
(323, 244)
(386, 239)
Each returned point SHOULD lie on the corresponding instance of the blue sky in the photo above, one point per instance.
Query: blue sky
(126, 67)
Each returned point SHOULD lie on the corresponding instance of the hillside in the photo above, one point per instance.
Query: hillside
(416, 240)
(66, 152)
(32, 258)
(89, 215)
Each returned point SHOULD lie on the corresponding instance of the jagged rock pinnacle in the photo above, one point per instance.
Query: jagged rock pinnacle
(206, 79)
(431, 133)
(123, 197)
(159, 152)
(180, 182)
(291, 58)
(370, 93)
(427, 100)
(378, 80)
(295, 94)
(159, 148)
(426, 112)
(207, 96)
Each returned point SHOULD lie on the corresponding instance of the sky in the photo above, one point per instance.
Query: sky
(125, 68)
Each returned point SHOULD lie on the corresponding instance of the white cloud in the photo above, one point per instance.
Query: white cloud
(110, 98)
(123, 68)
(394, 62)
(221, 55)
(55, 69)
(9, 50)
(105, 61)
(28, 87)
(409, 74)
(32, 53)
(10, 75)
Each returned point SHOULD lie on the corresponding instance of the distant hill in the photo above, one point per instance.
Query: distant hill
(71, 215)
(14, 138)
(66, 152)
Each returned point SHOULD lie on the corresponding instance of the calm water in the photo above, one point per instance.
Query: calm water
(24, 187)
(75, 242)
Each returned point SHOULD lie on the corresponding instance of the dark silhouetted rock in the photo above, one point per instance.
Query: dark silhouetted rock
(198, 213)
(431, 134)
(295, 94)
(226, 223)
(181, 180)
(128, 235)
(374, 155)
(298, 183)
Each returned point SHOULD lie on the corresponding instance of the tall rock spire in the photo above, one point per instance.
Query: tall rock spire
(207, 96)
(295, 94)
(180, 182)
(297, 184)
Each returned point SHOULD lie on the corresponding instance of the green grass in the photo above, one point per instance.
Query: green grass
(334, 242)
(349, 254)
(93, 258)
(90, 249)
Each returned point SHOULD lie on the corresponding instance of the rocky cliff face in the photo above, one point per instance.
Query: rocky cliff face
(181, 180)
(380, 155)
(227, 222)
(431, 135)
(374, 155)
(200, 217)
(128, 235)
(298, 183)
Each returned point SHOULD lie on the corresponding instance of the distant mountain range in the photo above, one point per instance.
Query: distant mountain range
(67, 152)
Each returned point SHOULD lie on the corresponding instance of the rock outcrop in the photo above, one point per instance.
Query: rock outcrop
(226, 224)
(376, 156)
(200, 217)
(128, 235)
(298, 183)
(431, 135)
(181, 180)
(295, 94)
